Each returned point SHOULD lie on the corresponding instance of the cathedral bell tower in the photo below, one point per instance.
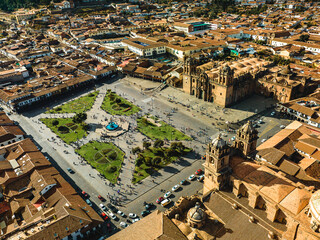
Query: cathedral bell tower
(246, 139)
(189, 69)
(226, 75)
(216, 165)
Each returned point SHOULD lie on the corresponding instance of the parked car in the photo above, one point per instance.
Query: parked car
(120, 213)
(200, 178)
(70, 170)
(84, 194)
(204, 157)
(113, 216)
(103, 207)
(183, 182)
(165, 202)
(132, 215)
(101, 198)
(263, 140)
(159, 200)
(148, 206)
(104, 216)
(112, 208)
(191, 177)
(175, 188)
(168, 194)
(273, 113)
(282, 126)
(145, 213)
(198, 172)
(129, 221)
(135, 220)
(89, 202)
(123, 224)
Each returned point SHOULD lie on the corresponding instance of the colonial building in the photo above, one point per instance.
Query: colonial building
(229, 83)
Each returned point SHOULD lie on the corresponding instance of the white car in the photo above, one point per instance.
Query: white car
(135, 220)
(165, 202)
(175, 188)
(120, 213)
(200, 178)
(263, 140)
(273, 113)
(132, 215)
(191, 177)
(168, 194)
(103, 207)
(282, 126)
(123, 224)
(112, 216)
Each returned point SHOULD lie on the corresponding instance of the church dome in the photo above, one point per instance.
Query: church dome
(315, 205)
(196, 213)
(218, 142)
(248, 128)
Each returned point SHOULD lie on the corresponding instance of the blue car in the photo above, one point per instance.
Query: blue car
(89, 202)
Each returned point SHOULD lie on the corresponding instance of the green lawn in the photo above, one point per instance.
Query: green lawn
(116, 105)
(69, 131)
(105, 157)
(165, 131)
(144, 170)
(78, 105)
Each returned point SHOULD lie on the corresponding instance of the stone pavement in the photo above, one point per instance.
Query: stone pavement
(206, 111)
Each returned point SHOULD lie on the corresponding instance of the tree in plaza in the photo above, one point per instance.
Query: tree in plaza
(180, 146)
(156, 161)
(158, 143)
(79, 117)
(136, 150)
(170, 152)
(148, 161)
(139, 161)
(174, 145)
(146, 144)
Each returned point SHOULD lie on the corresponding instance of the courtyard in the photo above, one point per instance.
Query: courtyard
(78, 105)
(155, 129)
(105, 157)
(152, 159)
(66, 129)
(116, 105)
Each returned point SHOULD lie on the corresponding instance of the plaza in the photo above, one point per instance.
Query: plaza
(176, 109)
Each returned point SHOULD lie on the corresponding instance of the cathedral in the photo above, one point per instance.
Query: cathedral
(283, 200)
(228, 83)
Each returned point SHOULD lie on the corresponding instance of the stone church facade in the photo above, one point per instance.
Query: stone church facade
(228, 83)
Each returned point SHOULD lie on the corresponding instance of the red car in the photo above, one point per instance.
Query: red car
(84, 194)
(198, 172)
(101, 198)
(159, 200)
(104, 216)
